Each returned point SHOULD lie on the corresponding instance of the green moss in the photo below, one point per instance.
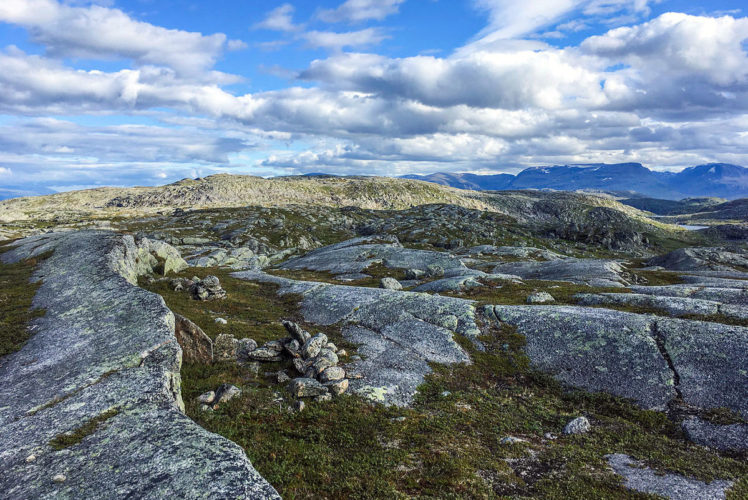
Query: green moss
(16, 296)
(68, 439)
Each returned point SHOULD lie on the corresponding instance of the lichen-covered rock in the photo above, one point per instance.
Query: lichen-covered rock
(579, 425)
(638, 477)
(399, 333)
(390, 284)
(594, 272)
(331, 374)
(337, 387)
(209, 288)
(105, 347)
(225, 393)
(296, 331)
(540, 298)
(225, 347)
(246, 345)
(313, 346)
(196, 345)
(702, 259)
(731, 437)
(306, 388)
(595, 349)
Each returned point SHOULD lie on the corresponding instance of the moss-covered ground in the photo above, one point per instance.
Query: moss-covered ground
(16, 296)
(451, 443)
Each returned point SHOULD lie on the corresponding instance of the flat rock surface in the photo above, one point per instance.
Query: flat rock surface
(732, 437)
(354, 256)
(105, 347)
(398, 332)
(673, 486)
(594, 272)
(595, 349)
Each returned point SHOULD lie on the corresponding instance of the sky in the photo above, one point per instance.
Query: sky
(146, 92)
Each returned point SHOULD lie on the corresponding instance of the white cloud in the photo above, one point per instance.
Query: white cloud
(279, 19)
(337, 41)
(100, 32)
(353, 11)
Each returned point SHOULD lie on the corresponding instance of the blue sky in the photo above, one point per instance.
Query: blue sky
(143, 92)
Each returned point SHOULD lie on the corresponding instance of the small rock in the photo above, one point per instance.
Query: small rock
(331, 347)
(579, 425)
(293, 348)
(512, 440)
(540, 298)
(299, 406)
(59, 478)
(196, 345)
(323, 360)
(414, 274)
(444, 394)
(342, 353)
(390, 284)
(245, 347)
(206, 408)
(253, 368)
(331, 374)
(30, 459)
(282, 377)
(226, 392)
(434, 271)
(337, 387)
(312, 346)
(221, 321)
(207, 397)
(274, 345)
(550, 436)
(323, 397)
(296, 331)
(207, 289)
(265, 354)
(306, 387)
(225, 347)
(299, 365)
(398, 419)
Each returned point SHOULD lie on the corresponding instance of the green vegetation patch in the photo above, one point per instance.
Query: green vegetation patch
(68, 439)
(16, 296)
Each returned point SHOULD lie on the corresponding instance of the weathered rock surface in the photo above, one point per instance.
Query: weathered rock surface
(594, 272)
(674, 486)
(516, 252)
(103, 345)
(398, 333)
(732, 437)
(196, 345)
(355, 255)
(595, 349)
(717, 294)
(702, 259)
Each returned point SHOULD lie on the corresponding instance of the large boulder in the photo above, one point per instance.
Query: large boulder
(196, 345)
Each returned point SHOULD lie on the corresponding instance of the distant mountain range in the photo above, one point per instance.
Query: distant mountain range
(715, 179)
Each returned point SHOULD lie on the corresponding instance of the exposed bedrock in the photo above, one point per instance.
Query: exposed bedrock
(103, 366)
(399, 333)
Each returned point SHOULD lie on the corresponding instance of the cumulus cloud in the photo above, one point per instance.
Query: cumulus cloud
(100, 32)
(352, 11)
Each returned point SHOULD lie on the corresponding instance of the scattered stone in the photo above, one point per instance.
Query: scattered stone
(540, 298)
(274, 345)
(225, 347)
(512, 440)
(331, 374)
(296, 331)
(206, 408)
(246, 346)
(298, 406)
(342, 353)
(221, 321)
(337, 387)
(312, 346)
(31, 459)
(306, 387)
(208, 288)
(196, 345)
(59, 478)
(207, 397)
(293, 348)
(390, 284)
(224, 393)
(414, 274)
(323, 397)
(265, 354)
(282, 377)
(550, 436)
(325, 359)
(331, 346)
(640, 478)
(434, 271)
(579, 425)
(299, 365)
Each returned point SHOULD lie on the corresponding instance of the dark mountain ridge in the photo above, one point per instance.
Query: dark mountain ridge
(711, 180)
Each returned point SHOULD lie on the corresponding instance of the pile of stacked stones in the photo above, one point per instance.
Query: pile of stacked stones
(314, 358)
(208, 288)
